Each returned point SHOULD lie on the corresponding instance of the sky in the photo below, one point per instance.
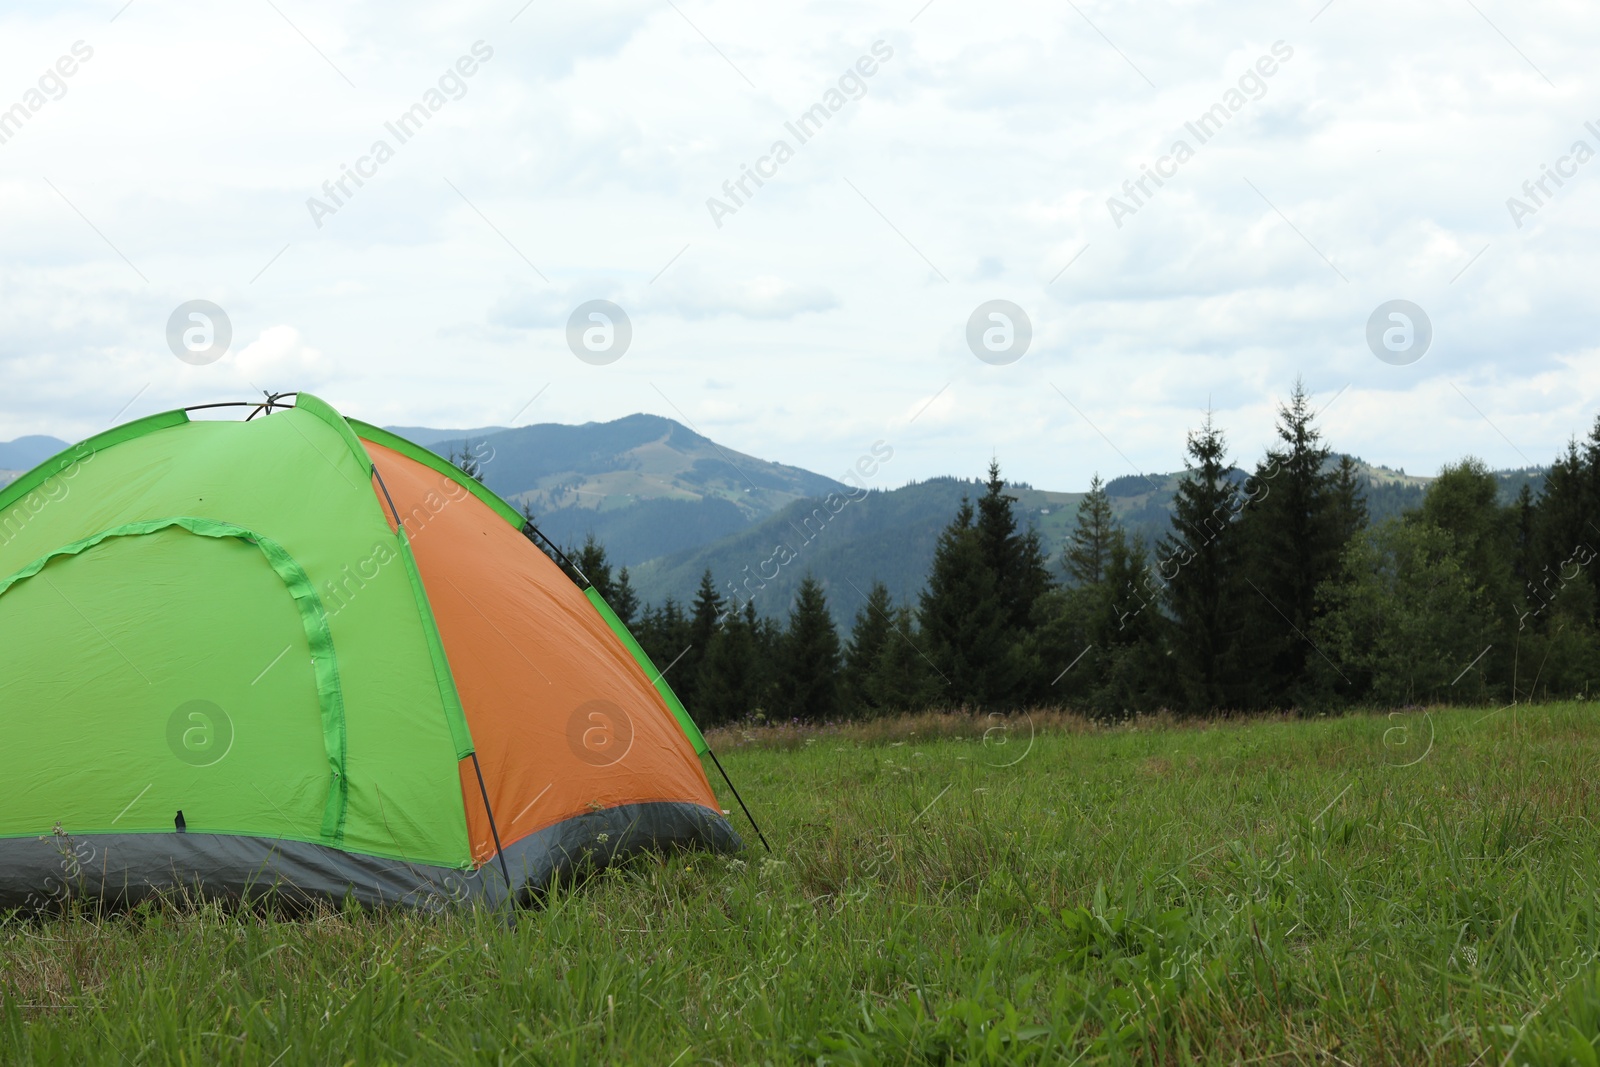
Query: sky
(519, 161)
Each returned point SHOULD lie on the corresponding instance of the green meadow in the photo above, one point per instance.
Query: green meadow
(1416, 888)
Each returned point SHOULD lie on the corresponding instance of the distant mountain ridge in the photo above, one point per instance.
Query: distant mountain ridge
(889, 536)
(644, 485)
(427, 438)
(25, 453)
(669, 503)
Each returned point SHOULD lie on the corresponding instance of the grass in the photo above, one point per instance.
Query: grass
(1416, 888)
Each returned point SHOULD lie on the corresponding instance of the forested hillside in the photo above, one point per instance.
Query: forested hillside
(670, 504)
(1280, 586)
(890, 536)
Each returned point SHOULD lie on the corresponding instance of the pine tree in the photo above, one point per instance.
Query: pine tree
(466, 461)
(1590, 538)
(809, 679)
(1199, 562)
(705, 618)
(1132, 672)
(1016, 559)
(1349, 512)
(963, 620)
(729, 676)
(663, 633)
(624, 601)
(869, 638)
(764, 641)
(904, 679)
(1089, 547)
(1293, 534)
(591, 561)
(1559, 623)
(767, 637)
(1563, 529)
(1525, 529)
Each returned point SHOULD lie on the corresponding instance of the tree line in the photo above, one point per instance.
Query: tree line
(1272, 589)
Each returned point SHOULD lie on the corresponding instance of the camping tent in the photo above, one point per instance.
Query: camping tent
(297, 652)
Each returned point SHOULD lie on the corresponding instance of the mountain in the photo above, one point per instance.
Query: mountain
(427, 438)
(889, 536)
(882, 535)
(644, 485)
(24, 454)
(669, 503)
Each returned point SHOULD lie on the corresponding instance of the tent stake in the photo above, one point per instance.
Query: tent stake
(739, 798)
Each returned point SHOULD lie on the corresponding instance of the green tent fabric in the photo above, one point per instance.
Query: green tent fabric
(121, 563)
(73, 615)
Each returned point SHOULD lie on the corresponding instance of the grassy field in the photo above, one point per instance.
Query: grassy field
(1418, 888)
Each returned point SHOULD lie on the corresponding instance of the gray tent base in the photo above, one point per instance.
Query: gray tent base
(43, 873)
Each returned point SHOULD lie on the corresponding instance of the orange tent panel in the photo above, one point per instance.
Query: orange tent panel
(563, 718)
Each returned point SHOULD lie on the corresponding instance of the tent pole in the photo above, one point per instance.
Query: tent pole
(556, 549)
(739, 798)
(493, 830)
(398, 525)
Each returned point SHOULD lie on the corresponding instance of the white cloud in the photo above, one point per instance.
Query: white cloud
(280, 354)
(582, 154)
(692, 293)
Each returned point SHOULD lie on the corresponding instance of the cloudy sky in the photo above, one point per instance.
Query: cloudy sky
(194, 153)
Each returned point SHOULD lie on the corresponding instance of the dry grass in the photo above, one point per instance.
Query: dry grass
(962, 724)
